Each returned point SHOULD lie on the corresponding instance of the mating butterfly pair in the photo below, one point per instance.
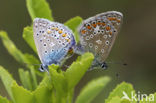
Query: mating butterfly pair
(97, 35)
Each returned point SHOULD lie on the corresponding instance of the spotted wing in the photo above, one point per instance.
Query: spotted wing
(52, 40)
(98, 33)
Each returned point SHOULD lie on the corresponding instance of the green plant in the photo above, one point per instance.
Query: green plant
(57, 86)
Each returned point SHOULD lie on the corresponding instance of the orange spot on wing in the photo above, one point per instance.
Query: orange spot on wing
(60, 31)
(114, 18)
(98, 23)
(68, 40)
(111, 18)
(89, 27)
(56, 29)
(48, 31)
(108, 28)
(70, 51)
(94, 25)
(110, 33)
(64, 35)
(118, 21)
(103, 24)
(83, 31)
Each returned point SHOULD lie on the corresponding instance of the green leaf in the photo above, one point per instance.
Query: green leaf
(76, 71)
(115, 100)
(34, 79)
(33, 64)
(28, 37)
(118, 91)
(22, 95)
(7, 81)
(31, 60)
(43, 93)
(25, 79)
(92, 89)
(28, 80)
(3, 100)
(15, 52)
(150, 99)
(118, 100)
(39, 8)
(73, 25)
(10, 46)
(76, 36)
(59, 81)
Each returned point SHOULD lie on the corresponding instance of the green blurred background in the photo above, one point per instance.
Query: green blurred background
(135, 44)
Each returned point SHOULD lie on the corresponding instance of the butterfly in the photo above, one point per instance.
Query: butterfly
(97, 35)
(53, 41)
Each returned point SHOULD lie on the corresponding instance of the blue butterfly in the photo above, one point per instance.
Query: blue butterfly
(53, 42)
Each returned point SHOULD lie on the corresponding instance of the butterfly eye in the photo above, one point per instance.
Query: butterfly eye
(104, 65)
(41, 68)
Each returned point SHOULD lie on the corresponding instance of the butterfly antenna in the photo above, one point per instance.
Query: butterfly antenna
(31, 64)
(123, 63)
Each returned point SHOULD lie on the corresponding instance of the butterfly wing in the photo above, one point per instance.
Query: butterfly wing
(52, 40)
(98, 33)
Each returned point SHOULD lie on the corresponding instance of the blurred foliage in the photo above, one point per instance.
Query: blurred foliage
(57, 86)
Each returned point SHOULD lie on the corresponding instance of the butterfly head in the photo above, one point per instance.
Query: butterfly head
(43, 68)
(104, 65)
